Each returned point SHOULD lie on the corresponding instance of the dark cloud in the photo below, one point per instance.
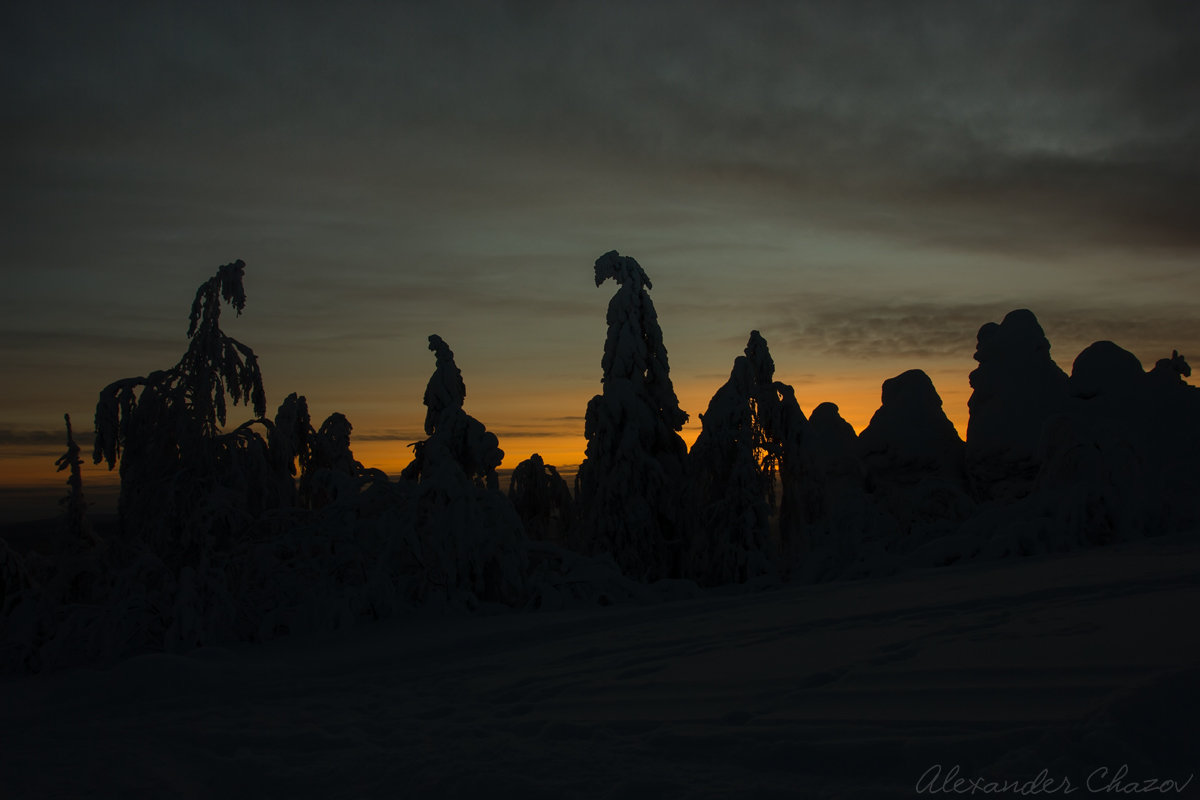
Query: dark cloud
(908, 331)
(1046, 204)
(755, 76)
(850, 328)
(86, 343)
(1080, 115)
(40, 441)
(390, 170)
(469, 293)
(394, 435)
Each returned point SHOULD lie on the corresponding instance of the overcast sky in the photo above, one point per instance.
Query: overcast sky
(865, 183)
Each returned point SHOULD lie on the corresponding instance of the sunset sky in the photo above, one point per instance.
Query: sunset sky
(864, 183)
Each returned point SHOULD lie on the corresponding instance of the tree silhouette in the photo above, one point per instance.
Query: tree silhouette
(629, 485)
(290, 441)
(915, 460)
(180, 476)
(453, 432)
(469, 532)
(782, 434)
(749, 467)
(542, 500)
(731, 490)
(1017, 387)
(331, 468)
(275, 527)
(74, 504)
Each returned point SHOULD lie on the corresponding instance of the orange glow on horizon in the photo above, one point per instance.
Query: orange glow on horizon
(558, 440)
(857, 397)
(37, 470)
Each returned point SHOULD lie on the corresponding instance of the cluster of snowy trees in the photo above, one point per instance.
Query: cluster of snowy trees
(274, 526)
(1051, 462)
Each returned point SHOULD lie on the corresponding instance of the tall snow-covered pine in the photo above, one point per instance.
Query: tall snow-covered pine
(630, 483)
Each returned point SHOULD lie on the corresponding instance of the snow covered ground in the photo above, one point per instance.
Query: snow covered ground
(1070, 664)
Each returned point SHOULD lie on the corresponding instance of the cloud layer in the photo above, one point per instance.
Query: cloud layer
(865, 182)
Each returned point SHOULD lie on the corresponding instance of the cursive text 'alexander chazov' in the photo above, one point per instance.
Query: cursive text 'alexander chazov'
(1101, 780)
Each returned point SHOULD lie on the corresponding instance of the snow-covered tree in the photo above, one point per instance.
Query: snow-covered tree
(291, 438)
(1017, 388)
(630, 483)
(470, 533)
(849, 534)
(915, 460)
(331, 468)
(74, 504)
(748, 467)
(728, 542)
(164, 428)
(794, 481)
(468, 443)
(1119, 463)
(542, 500)
(1173, 413)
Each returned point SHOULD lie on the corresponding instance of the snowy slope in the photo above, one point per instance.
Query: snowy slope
(1069, 663)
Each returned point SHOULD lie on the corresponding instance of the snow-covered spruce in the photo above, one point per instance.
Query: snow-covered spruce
(795, 484)
(730, 489)
(629, 485)
(469, 444)
(75, 518)
(1017, 387)
(466, 527)
(915, 461)
(747, 469)
(332, 470)
(542, 500)
(850, 534)
(1119, 462)
(219, 542)
(1115, 462)
(1173, 414)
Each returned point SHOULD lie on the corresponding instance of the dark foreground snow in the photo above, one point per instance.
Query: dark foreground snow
(1070, 664)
